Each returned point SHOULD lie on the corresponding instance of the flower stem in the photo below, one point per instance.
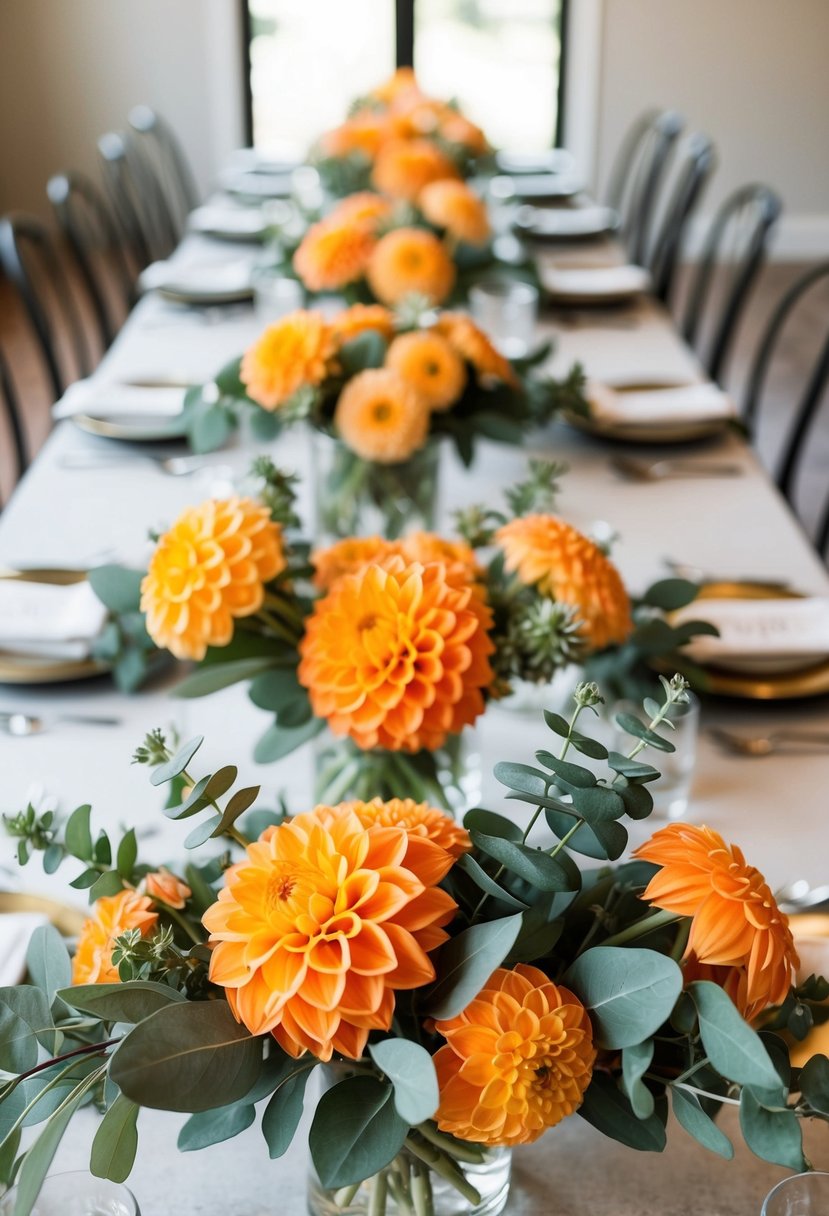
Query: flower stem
(448, 1169)
(379, 1191)
(655, 920)
(345, 1194)
(448, 1144)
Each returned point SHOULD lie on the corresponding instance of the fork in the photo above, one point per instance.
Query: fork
(786, 740)
(632, 468)
(21, 725)
(173, 466)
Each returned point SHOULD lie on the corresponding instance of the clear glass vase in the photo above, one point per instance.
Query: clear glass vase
(356, 497)
(448, 778)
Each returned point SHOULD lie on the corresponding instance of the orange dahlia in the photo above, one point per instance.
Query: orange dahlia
(739, 937)
(410, 260)
(321, 923)
(402, 82)
(428, 547)
(404, 166)
(165, 888)
(352, 322)
(365, 133)
(517, 1060)
(397, 656)
(334, 253)
(208, 569)
(472, 343)
(418, 818)
(363, 207)
(547, 552)
(430, 365)
(453, 206)
(381, 417)
(456, 129)
(293, 352)
(111, 916)
(348, 556)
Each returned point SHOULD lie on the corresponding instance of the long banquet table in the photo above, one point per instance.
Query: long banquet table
(734, 526)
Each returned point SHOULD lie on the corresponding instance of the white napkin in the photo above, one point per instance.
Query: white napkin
(594, 282)
(16, 929)
(237, 221)
(257, 182)
(49, 621)
(216, 278)
(796, 628)
(676, 403)
(109, 399)
(562, 223)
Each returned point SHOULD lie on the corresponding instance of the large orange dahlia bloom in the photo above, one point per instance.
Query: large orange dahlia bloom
(111, 916)
(739, 937)
(321, 923)
(517, 1061)
(418, 818)
(352, 322)
(208, 569)
(363, 207)
(397, 656)
(295, 351)
(381, 417)
(407, 261)
(356, 552)
(454, 206)
(457, 129)
(472, 344)
(334, 253)
(404, 166)
(365, 133)
(547, 552)
(431, 366)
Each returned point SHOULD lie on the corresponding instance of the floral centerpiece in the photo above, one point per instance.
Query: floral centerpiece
(381, 389)
(397, 139)
(397, 646)
(465, 987)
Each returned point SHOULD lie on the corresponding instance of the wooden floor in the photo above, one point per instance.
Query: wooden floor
(796, 354)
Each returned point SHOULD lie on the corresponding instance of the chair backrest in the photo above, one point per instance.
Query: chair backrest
(734, 252)
(816, 380)
(89, 227)
(10, 409)
(699, 161)
(168, 156)
(137, 198)
(637, 172)
(30, 258)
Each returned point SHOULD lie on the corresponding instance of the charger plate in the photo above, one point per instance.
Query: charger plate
(68, 920)
(27, 669)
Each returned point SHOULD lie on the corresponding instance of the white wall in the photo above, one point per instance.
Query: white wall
(753, 74)
(71, 69)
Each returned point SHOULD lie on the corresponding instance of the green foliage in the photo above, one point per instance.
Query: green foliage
(466, 962)
(690, 1115)
(356, 1131)
(116, 1141)
(735, 1050)
(410, 1069)
(629, 992)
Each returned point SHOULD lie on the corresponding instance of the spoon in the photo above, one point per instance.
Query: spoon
(634, 469)
(173, 466)
(789, 740)
(21, 725)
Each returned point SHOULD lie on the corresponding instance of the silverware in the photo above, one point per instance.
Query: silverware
(696, 574)
(20, 725)
(788, 739)
(173, 466)
(633, 468)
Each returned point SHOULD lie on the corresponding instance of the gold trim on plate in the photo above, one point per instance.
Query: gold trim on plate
(23, 669)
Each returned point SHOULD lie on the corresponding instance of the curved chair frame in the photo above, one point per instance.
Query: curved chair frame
(11, 411)
(137, 198)
(178, 182)
(637, 172)
(700, 162)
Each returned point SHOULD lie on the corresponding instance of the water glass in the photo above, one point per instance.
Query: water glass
(275, 295)
(507, 312)
(671, 791)
(77, 1193)
(800, 1195)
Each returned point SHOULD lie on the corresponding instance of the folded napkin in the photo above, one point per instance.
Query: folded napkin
(594, 282)
(49, 621)
(796, 628)
(236, 221)
(108, 399)
(16, 929)
(676, 403)
(559, 223)
(216, 278)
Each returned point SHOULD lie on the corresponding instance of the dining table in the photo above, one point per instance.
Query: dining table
(88, 500)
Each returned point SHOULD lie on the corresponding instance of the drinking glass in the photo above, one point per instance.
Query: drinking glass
(671, 791)
(800, 1195)
(507, 312)
(77, 1193)
(275, 295)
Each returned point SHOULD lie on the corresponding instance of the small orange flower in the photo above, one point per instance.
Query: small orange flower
(294, 352)
(453, 206)
(321, 923)
(165, 888)
(348, 556)
(364, 133)
(418, 818)
(208, 569)
(362, 207)
(352, 322)
(111, 916)
(407, 261)
(518, 1060)
(334, 253)
(381, 417)
(456, 129)
(428, 547)
(404, 166)
(430, 365)
(547, 552)
(397, 656)
(402, 83)
(739, 937)
(473, 344)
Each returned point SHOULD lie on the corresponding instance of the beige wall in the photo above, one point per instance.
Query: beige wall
(753, 74)
(71, 69)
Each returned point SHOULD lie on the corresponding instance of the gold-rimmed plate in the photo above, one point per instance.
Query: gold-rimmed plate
(133, 428)
(30, 669)
(66, 919)
(812, 681)
(685, 431)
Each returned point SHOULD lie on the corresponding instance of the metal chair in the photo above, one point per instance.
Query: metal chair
(137, 199)
(663, 257)
(32, 263)
(92, 235)
(637, 172)
(168, 156)
(10, 409)
(801, 428)
(736, 245)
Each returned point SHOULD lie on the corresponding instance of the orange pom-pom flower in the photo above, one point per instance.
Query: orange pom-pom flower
(430, 365)
(295, 351)
(418, 818)
(410, 261)
(333, 254)
(381, 417)
(404, 166)
(473, 345)
(452, 205)
(352, 322)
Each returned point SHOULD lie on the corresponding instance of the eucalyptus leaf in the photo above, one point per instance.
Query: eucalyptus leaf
(178, 763)
(118, 588)
(284, 1111)
(735, 1050)
(608, 1110)
(213, 1126)
(572, 775)
(466, 962)
(356, 1131)
(492, 824)
(629, 992)
(25, 1021)
(774, 1136)
(636, 1060)
(533, 865)
(39, 1157)
(671, 593)
(479, 876)
(690, 1115)
(411, 1071)
(605, 839)
(216, 676)
(47, 961)
(127, 854)
(108, 883)
(77, 835)
(280, 741)
(116, 1141)
(814, 1083)
(131, 1002)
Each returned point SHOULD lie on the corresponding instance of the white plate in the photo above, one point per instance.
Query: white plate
(228, 283)
(565, 223)
(554, 160)
(648, 432)
(228, 223)
(535, 187)
(258, 184)
(27, 669)
(593, 284)
(134, 428)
